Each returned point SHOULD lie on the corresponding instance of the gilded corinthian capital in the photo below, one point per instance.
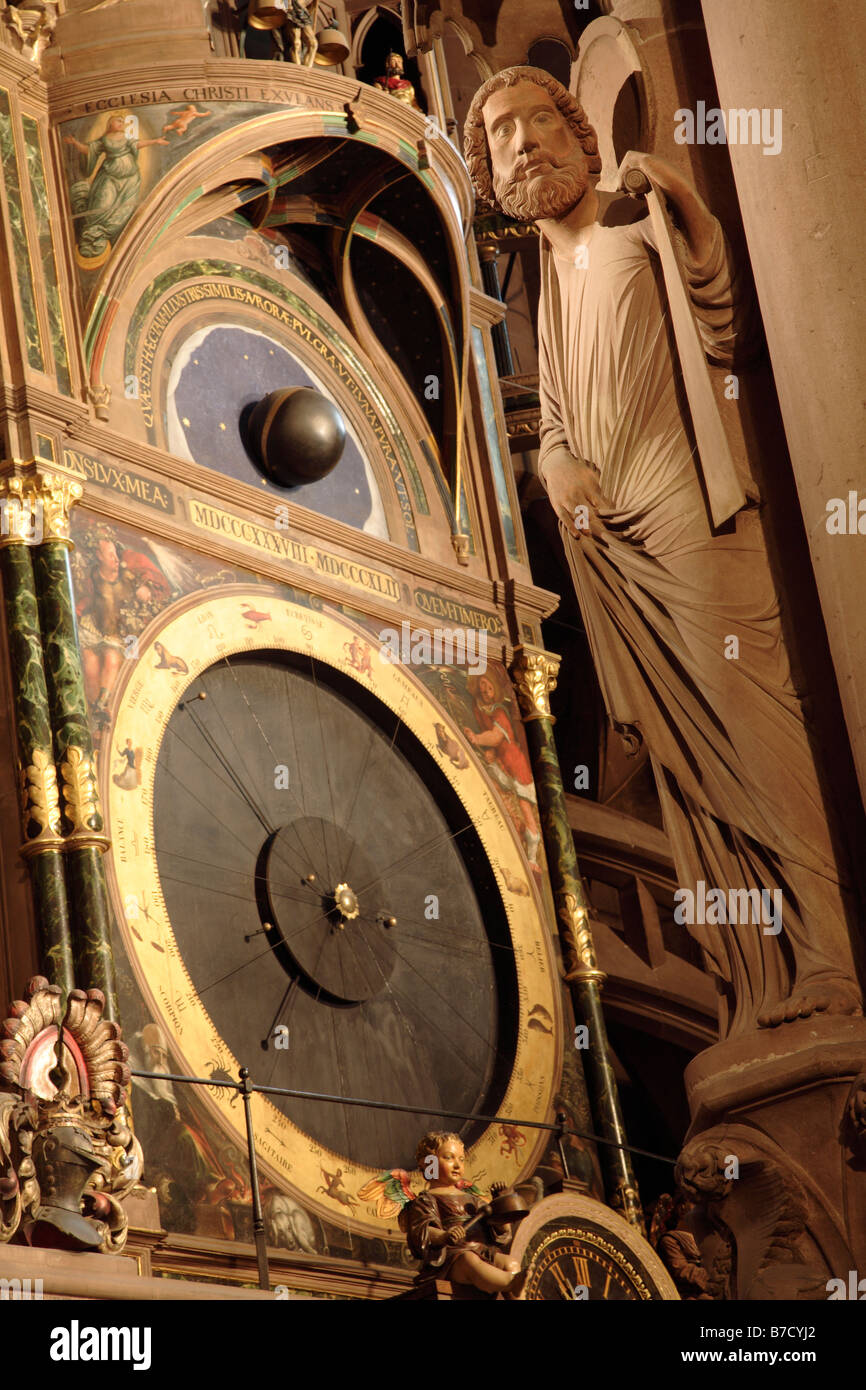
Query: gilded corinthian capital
(51, 497)
(534, 676)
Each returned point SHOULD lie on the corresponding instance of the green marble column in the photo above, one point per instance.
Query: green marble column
(40, 804)
(85, 841)
(534, 675)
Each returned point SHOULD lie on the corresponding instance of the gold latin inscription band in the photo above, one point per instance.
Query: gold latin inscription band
(221, 523)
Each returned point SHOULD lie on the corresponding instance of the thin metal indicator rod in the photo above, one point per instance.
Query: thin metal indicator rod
(246, 1089)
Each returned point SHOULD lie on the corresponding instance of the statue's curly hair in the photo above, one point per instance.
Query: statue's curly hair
(476, 151)
(432, 1142)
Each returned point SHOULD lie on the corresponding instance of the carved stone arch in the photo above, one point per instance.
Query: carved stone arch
(365, 24)
(541, 60)
(613, 85)
(451, 13)
(464, 70)
(461, 28)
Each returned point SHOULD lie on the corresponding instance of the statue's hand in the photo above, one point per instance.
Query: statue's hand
(695, 220)
(574, 494)
(664, 175)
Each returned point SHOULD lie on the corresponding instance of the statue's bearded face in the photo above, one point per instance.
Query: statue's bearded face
(538, 165)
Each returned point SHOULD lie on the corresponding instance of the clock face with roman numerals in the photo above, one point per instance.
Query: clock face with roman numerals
(566, 1264)
(576, 1249)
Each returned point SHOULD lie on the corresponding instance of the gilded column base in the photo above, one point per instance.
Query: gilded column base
(86, 839)
(583, 976)
(29, 849)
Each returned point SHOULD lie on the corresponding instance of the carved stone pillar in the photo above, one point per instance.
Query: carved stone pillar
(534, 676)
(40, 805)
(85, 842)
(803, 227)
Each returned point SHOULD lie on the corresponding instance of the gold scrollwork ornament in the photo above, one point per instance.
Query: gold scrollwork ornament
(40, 800)
(80, 794)
(581, 964)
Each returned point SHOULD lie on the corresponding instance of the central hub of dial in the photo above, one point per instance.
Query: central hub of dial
(332, 933)
(346, 903)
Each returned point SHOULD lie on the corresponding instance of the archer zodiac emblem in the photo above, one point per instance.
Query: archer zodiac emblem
(334, 1188)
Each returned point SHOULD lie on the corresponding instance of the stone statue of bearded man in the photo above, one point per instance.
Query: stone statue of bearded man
(663, 592)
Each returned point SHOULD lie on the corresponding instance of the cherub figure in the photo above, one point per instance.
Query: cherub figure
(434, 1224)
(182, 119)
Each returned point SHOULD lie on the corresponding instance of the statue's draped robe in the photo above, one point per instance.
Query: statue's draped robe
(662, 596)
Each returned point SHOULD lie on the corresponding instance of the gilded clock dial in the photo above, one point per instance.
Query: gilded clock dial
(567, 1265)
(577, 1249)
(294, 854)
(299, 841)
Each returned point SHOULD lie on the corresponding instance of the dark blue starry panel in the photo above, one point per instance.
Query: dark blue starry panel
(226, 367)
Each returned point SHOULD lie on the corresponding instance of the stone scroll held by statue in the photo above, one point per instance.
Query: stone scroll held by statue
(665, 544)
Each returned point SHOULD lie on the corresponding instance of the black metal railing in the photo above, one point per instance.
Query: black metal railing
(246, 1088)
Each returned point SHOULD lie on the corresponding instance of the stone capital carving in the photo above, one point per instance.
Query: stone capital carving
(100, 399)
(31, 27)
(20, 514)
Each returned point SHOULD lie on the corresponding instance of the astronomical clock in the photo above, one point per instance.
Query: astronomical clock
(294, 810)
